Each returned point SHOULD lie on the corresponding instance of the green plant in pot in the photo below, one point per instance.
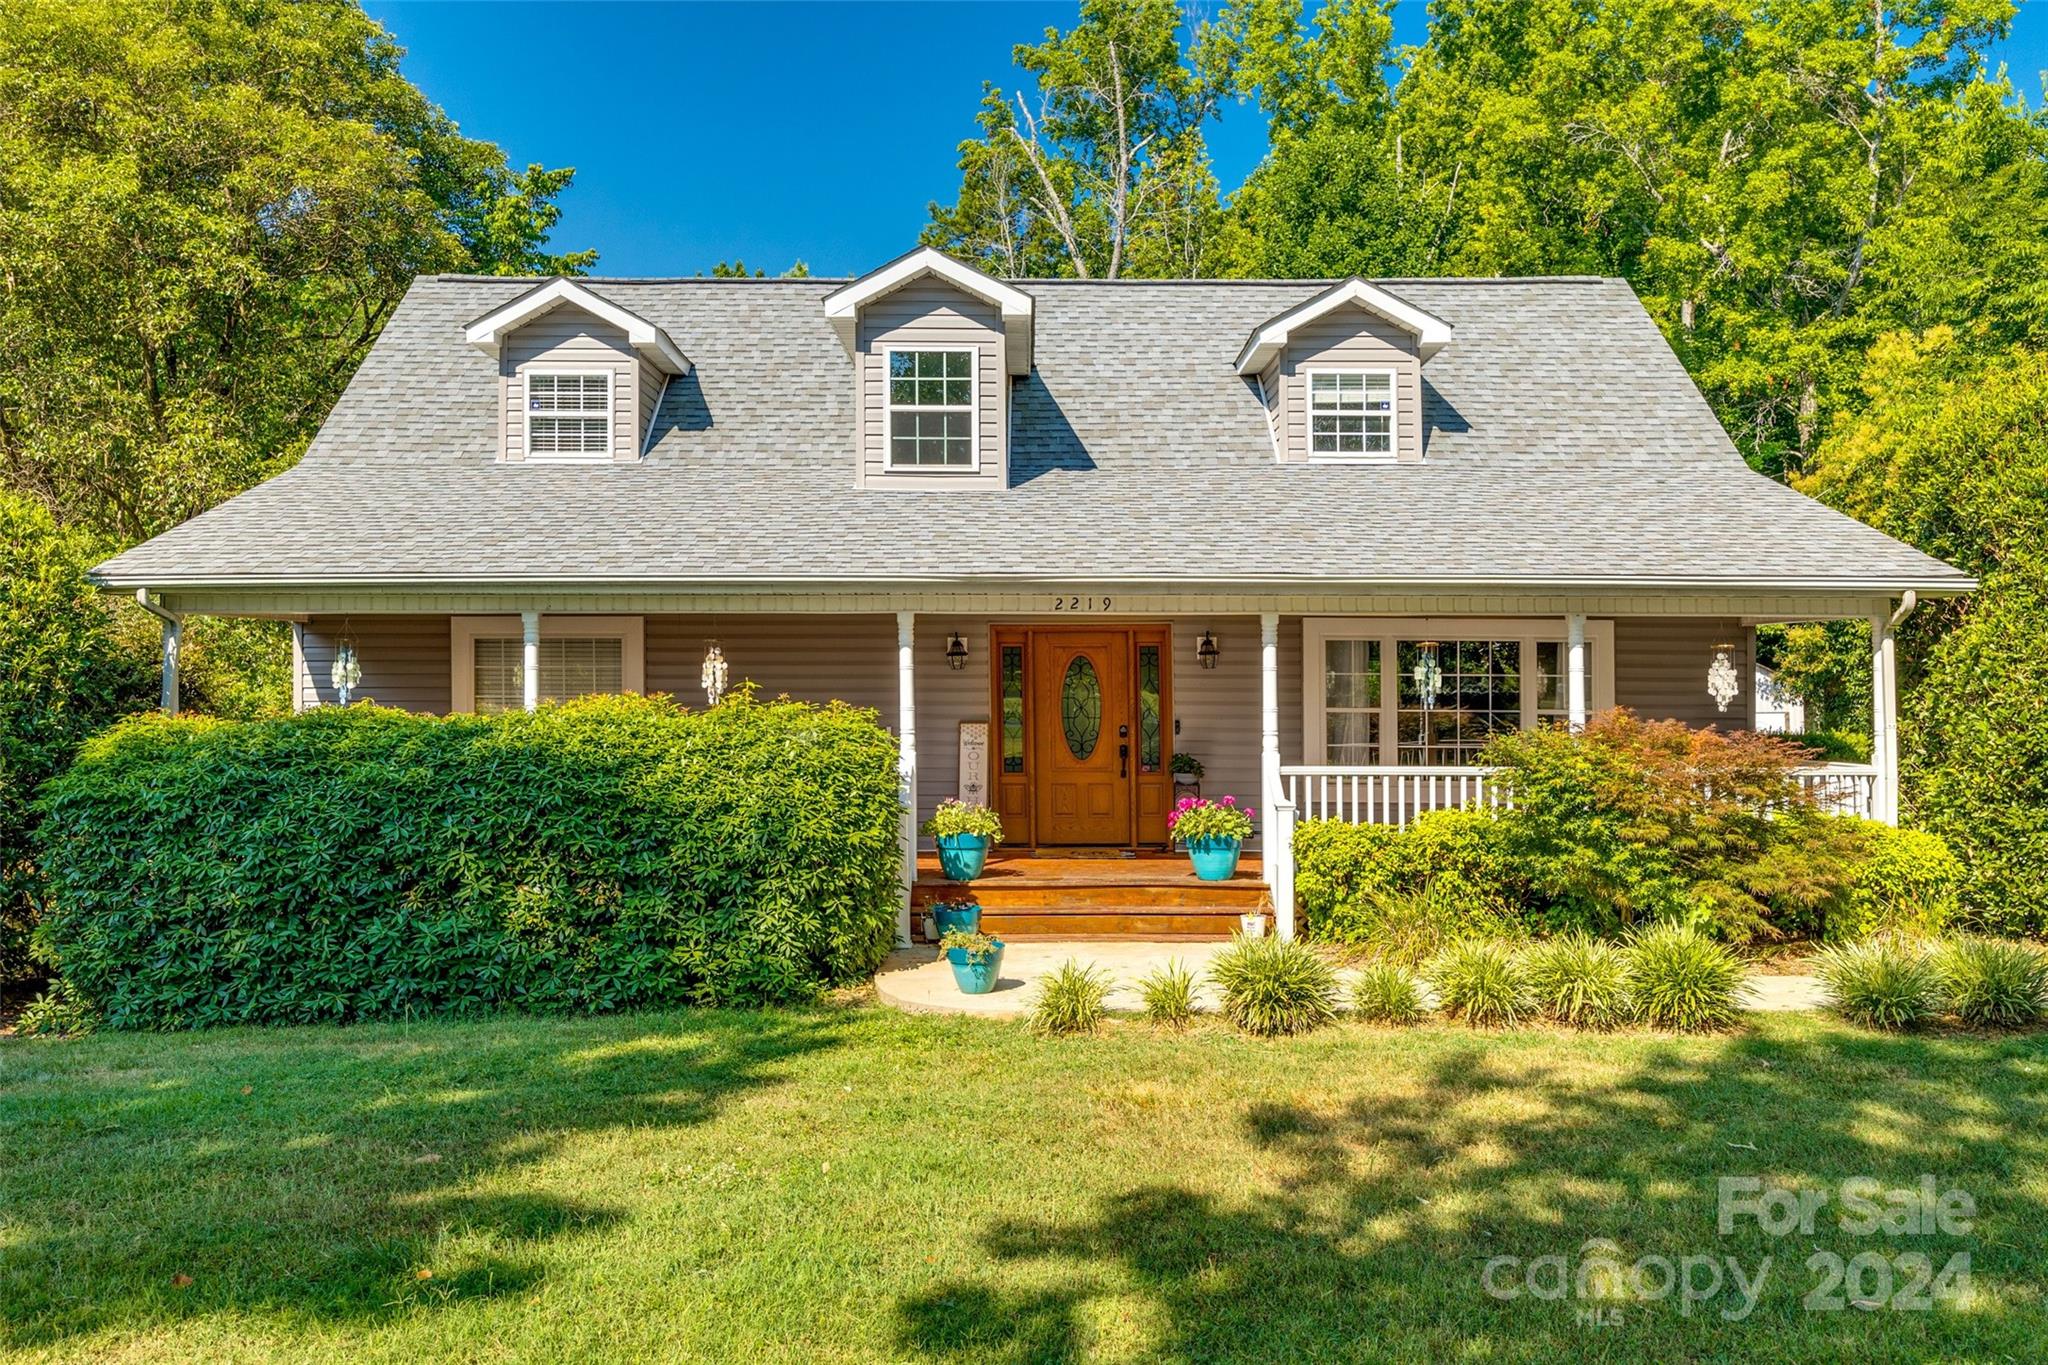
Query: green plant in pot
(948, 916)
(964, 835)
(976, 958)
(1213, 832)
(1187, 773)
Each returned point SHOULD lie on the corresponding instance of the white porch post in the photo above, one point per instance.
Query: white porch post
(1277, 829)
(1884, 720)
(1575, 670)
(173, 639)
(906, 762)
(529, 670)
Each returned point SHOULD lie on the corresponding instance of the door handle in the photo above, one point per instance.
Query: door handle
(1123, 760)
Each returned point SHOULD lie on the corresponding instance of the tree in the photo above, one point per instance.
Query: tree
(1108, 174)
(1773, 179)
(207, 211)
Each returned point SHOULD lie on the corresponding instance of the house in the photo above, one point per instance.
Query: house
(1776, 710)
(1326, 537)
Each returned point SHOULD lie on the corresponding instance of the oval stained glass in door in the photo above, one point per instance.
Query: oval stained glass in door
(1081, 707)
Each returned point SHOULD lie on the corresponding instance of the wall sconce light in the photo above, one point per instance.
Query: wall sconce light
(956, 652)
(1206, 652)
(1724, 684)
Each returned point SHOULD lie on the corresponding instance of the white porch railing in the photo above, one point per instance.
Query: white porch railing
(1394, 796)
(1384, 796)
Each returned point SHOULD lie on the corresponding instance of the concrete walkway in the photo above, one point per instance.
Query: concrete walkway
(917, 980)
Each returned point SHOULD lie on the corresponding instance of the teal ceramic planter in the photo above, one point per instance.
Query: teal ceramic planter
(962, 856)
(976, 978)
(1215, 859)
(946, 918)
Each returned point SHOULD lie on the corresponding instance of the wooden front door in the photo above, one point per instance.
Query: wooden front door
(1082, 734)
(1081, 704)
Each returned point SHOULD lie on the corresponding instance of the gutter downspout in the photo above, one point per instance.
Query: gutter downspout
(174, 636)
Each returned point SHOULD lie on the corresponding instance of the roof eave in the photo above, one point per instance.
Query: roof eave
(1269, 339)
(488, 333)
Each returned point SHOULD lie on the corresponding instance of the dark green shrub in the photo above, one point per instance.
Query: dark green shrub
(358, 862)
(1833, 746)
(1070, 1001)
(1386, 993)
(1274, 986)
(1680, 979)
(1169, 995)
(1884, 983)
(1993, 982)
(1976, 751)
(1579, 980)
(1482, 982)
(1905, 881)
(65, 671)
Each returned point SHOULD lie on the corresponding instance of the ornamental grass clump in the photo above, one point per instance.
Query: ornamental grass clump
(1993, 982)
(1072, 1000)
(1275, 986)
(1386, 993)
(1197, 817)
(1683, 980)
(1579, 980)
(1883, 983)
(1169, 995)
(1482, 982)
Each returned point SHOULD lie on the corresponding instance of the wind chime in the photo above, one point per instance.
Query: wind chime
(346, 672)
(1429, 679)
(713, 674)
(1724, 684)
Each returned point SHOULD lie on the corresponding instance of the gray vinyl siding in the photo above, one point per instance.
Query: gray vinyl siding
(651, 384)
(807, 658)
(1660, 669)
(1351, 336)
(405, 661)
(573, 339)
(928, 312)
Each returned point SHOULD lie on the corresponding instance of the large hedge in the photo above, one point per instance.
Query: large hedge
(355, 863)
(64, 673)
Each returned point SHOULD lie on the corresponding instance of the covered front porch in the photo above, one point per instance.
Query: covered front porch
(1067, 712)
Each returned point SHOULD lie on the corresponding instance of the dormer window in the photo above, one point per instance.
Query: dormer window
(932, 409)
(569, 414)
(1351, 414)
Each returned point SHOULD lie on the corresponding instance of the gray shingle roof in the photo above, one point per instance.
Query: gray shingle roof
(1566, 445)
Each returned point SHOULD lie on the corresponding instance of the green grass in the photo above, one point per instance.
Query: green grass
(853, 1184)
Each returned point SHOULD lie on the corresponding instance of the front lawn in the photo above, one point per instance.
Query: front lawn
(853, 1184)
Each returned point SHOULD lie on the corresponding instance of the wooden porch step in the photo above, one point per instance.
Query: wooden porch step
(1235, 896)
(1082, 921)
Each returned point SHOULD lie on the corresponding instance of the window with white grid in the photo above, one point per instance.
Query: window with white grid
(931, 409)
(569, 414)
(1351, 414)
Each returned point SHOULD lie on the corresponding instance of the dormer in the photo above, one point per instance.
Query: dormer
(1341, 376)
(579, 377)
(935, 345)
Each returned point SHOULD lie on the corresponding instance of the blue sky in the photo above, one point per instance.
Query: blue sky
(679, 117)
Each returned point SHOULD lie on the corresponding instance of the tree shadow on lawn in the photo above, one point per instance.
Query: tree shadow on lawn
(317, 1172)
(1363, 1221)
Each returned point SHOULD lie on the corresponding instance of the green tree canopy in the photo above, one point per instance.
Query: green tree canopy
(207, 210)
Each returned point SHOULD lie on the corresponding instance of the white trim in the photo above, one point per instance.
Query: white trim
(1316, 631)
(843, 305)
(1308, 393)
(465, 631)
(1431, 332)
(488, 332)
(906, 764)
(1274, 417)
(527, 374)
(972, 408)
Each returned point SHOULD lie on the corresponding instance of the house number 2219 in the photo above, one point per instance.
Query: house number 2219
(1077, 603)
